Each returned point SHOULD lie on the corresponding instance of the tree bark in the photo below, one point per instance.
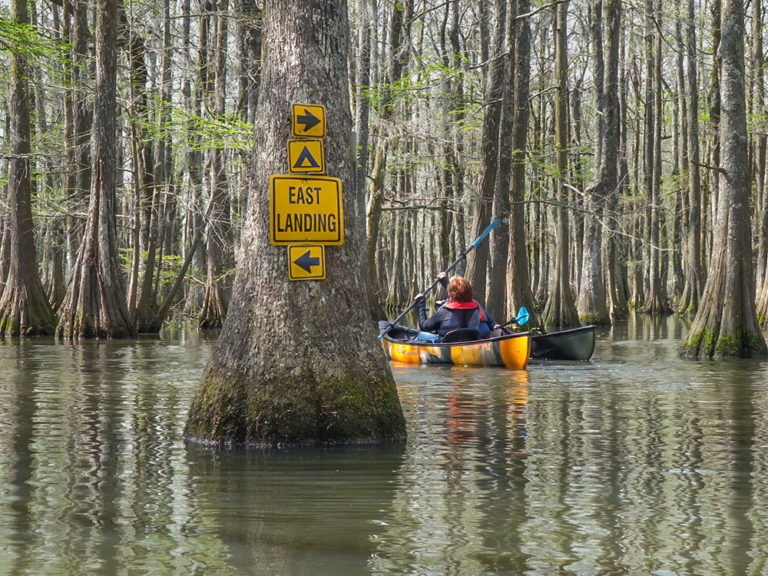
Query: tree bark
(95, 304)
(298, 362)
(24, 307)
(726, 323)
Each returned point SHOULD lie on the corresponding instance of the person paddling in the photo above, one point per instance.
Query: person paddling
(460, 311)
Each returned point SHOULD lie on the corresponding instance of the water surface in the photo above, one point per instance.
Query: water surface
(637, 462)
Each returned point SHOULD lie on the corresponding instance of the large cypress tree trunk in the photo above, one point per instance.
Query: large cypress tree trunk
(726, 323)
(95, 304)
(24, 308)
(299, 362)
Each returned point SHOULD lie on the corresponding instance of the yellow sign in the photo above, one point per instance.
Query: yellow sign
(306, 157)
(305, 210)
(308, 120)
(306, 262)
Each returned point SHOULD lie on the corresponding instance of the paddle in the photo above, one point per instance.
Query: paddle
(463, 255)
(520, 320)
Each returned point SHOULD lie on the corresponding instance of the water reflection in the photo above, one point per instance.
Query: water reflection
(301, 511)
(91, 451)
(637, 462)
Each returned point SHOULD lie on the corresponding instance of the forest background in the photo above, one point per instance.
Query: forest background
(591, 128)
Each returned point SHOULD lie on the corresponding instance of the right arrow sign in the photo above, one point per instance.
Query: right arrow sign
(308, 120)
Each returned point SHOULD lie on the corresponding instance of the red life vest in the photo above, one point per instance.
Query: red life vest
(451, 305)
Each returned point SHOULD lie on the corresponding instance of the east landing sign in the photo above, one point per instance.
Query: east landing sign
(305, 210)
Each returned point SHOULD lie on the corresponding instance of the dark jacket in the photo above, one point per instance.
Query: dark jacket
(450, 316)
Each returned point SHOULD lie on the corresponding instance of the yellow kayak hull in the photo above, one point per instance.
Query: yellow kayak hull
(508, 351)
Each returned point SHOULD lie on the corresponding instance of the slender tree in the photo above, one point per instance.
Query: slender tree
(95, 304)
(519, 285)
(693, 269)
(726, 323)
(24, 307)
(219, 249)
(482, 202)
(592, 303)
(560, 311)
(298, 362)
(399, 36)
(495, 300)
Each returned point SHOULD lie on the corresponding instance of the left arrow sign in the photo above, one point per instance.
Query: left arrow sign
(306, 261)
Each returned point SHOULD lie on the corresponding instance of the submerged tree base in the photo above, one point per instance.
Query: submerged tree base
(708, 344)
(297, 410)
(25, 313)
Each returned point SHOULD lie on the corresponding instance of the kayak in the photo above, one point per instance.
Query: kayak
(509, 350)
(573, 344)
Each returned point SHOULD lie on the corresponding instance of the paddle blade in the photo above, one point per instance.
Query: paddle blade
(522, 316)
(485, 233)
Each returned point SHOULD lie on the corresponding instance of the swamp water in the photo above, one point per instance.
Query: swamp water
(634, 463)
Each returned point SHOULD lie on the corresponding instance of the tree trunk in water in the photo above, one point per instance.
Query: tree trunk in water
(616, 267)
(657, 300)
(95, 304)
(83, 120)
(24, 307)
(726, 323)
(694, 279)
(591, 303)
(477, 261)
(495, 300)
(298, 362)
(560, 311)
(219, 246)
(400, 49)
(519, 288)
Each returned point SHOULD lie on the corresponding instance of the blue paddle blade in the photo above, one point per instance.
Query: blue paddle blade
(485, 233)
(522, 316)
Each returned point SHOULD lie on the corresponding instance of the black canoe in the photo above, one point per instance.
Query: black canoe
(574, 344)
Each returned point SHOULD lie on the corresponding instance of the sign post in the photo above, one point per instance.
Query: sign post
(305, 206)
